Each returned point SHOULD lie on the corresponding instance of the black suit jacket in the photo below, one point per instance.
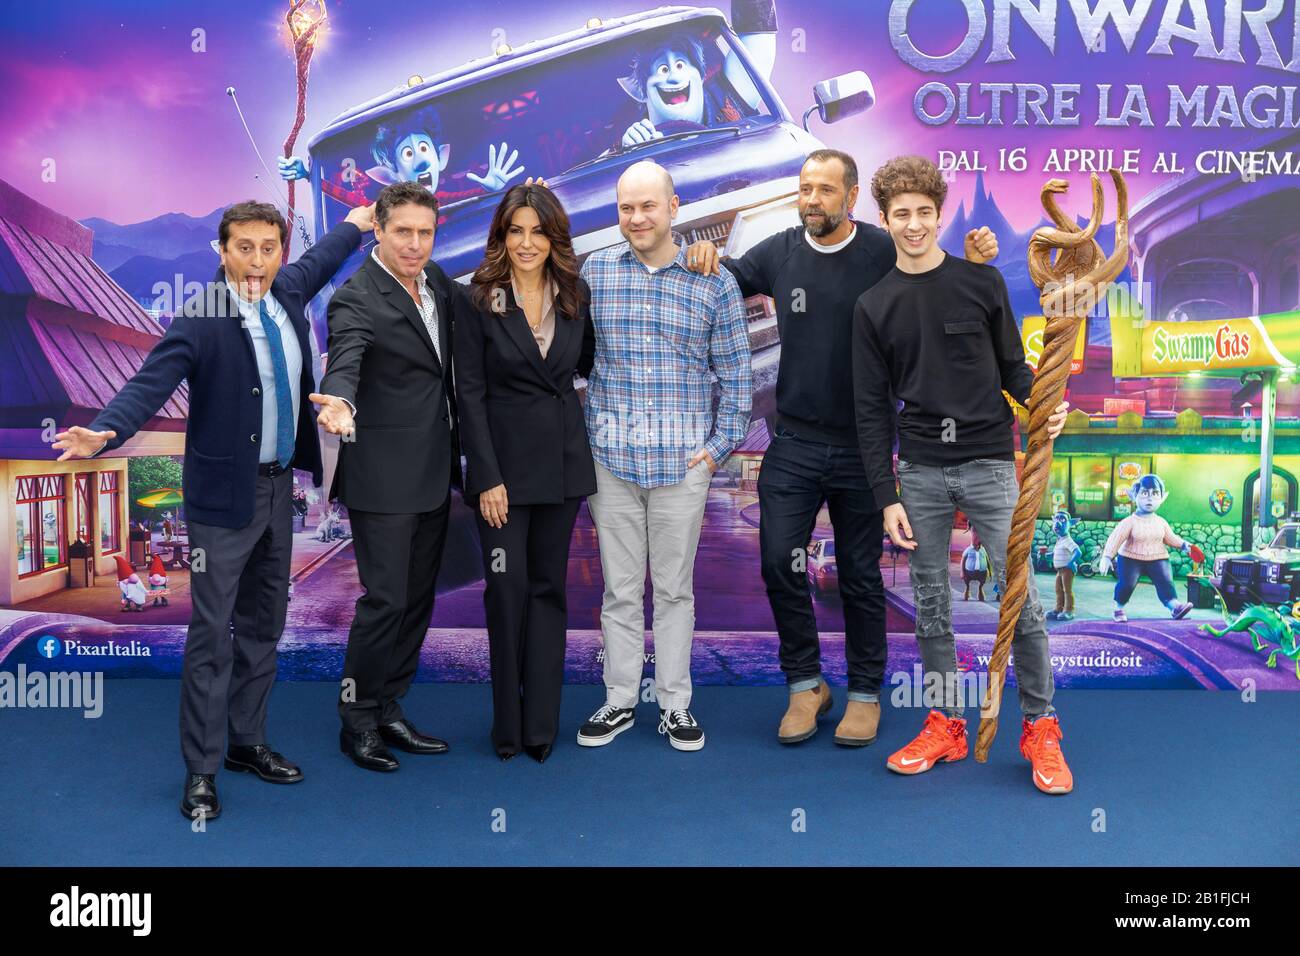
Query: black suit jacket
(521, 421)
(207, 346)
(404, 453)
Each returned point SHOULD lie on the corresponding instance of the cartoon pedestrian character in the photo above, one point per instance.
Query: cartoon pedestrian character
(409, 149)
(1141, 540)
(128, 582)
(1065, 559)
(158, 582)
(974, 566)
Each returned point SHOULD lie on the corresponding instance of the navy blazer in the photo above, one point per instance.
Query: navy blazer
(208, 346)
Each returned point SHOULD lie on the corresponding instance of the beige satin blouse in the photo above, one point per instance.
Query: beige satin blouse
(545, 333)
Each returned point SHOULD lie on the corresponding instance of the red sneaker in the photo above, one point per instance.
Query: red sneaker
(1040, 744)
(942, 738)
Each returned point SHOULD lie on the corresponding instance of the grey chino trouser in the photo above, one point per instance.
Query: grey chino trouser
(661, 525)
(986, 492)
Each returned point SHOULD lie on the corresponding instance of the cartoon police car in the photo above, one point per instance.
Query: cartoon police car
(1269, 575)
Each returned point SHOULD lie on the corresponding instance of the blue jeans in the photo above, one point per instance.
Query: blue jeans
(1129, 570)
(986, 491)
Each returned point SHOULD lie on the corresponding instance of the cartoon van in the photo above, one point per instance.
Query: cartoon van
(675, 85)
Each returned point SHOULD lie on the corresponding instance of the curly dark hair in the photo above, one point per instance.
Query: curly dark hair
(561, 264)
(908, 174)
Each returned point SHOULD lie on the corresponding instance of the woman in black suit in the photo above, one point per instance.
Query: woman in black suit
(525, 334)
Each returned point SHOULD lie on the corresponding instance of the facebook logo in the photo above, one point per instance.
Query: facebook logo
(49, 646)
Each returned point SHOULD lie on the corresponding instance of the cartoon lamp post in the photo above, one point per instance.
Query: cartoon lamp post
(306, 20)
(1070, 287)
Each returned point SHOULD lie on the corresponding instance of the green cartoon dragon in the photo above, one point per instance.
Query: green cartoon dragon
(1275, 624)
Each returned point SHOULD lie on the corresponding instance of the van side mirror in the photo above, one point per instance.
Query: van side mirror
(841, 96)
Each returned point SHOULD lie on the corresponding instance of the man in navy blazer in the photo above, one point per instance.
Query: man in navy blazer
(243, 347)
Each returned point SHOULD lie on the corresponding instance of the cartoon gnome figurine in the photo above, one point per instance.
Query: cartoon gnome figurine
(1065, 562)
(158, 582)
(1141, 540)
(132, 588)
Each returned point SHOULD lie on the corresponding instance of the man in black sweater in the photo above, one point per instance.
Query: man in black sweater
(939, 335)
(815, 274)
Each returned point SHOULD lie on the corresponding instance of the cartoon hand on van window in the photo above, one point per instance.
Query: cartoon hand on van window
(500, 169)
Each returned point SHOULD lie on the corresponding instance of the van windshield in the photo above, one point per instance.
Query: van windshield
(558, 114)
(1285, 538)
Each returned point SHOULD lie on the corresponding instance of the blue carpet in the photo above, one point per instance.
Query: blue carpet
(1182, 777)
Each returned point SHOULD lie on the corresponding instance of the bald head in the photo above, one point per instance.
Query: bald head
(645, 177)
(646, 209)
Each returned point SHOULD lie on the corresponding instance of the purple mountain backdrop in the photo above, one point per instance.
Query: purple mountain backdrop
(140, 254)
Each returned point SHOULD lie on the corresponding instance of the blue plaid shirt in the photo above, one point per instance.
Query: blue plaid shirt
(663, 339)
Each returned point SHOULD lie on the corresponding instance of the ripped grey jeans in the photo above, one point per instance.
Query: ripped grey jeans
(986, 491)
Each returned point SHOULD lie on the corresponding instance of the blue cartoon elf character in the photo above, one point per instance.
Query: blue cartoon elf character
(1065, 560)
(413, 149)
(675, 80)
(1142, 540)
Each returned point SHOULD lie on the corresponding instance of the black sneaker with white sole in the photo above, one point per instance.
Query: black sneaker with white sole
(682, 730)
(604, 725)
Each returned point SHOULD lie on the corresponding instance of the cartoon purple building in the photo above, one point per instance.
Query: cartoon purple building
(70, 338)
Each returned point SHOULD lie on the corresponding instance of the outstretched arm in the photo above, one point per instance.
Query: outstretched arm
(351, 333)
(166, 366)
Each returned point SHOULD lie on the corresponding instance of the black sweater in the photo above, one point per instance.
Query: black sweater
(815, 293)
(947, 344)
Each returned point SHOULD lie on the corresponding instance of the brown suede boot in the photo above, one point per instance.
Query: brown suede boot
(858, 728)
(800, 720)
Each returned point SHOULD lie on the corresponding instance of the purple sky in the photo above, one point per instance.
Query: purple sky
(138, 124)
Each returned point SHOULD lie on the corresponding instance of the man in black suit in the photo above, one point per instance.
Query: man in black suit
(388, 391)
(243, 347)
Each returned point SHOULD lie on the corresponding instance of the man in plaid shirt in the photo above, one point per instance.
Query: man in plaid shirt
(664, 336)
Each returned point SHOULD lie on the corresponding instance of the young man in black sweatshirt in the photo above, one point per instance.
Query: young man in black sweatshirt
(815, 274)
(938, 334)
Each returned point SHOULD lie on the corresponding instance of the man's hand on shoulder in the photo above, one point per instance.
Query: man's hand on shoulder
(363, 217)
(981, 245)
(702, 257)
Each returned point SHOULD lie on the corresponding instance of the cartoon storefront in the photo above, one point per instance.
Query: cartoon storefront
(1252, 455)
(1229, 460)
(70, 338)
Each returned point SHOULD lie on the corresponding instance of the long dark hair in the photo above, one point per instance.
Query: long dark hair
(561, 264)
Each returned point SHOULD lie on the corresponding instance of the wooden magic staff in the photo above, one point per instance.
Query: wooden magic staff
(1069, 288)
(306, 20)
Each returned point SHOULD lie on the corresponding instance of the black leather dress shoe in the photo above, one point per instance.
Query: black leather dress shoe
(403, 735)
(200, 796)
(367, 750)
(263, 761)
(538, 752)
